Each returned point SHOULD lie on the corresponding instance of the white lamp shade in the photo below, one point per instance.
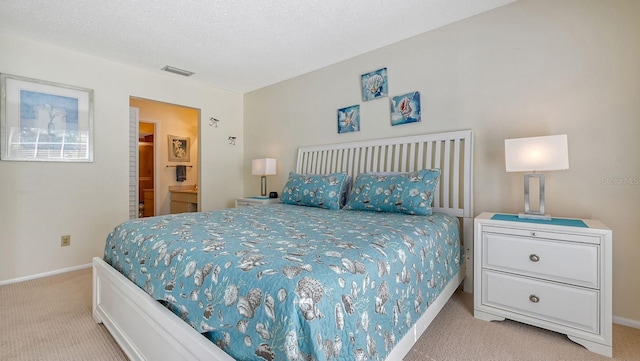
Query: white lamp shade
(536, 153)
(264, 166)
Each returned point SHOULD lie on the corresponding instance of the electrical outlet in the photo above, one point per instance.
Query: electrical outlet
(65, 241)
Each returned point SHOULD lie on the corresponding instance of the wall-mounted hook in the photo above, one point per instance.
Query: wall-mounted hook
(232, 140)
(213, 122)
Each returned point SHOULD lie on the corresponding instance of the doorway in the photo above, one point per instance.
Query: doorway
(150, 147)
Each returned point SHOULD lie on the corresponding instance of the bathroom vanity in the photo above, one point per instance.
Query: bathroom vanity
(183, 199)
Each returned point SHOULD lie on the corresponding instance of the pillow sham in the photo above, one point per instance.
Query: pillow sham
(409, 193)
(316, 190)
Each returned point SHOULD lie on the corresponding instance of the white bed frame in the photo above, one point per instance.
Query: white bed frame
(146, 330)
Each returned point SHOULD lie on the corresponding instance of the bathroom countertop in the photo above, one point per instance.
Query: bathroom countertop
(183, 189)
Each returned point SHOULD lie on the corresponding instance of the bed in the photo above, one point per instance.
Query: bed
(296, 282)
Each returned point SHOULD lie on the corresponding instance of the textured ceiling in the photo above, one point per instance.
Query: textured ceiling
(237, 45)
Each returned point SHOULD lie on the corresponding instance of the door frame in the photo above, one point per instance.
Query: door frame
(156, 126)
(134, 134)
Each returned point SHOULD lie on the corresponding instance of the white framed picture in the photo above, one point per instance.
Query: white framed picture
(45, 121)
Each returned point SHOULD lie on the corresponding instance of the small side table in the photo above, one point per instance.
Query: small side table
(255, 201)
(551, 274)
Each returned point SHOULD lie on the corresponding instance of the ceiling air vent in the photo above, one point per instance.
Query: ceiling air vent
(171, 69)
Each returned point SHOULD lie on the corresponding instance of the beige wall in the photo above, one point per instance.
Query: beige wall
(40, 201)
(534, 67)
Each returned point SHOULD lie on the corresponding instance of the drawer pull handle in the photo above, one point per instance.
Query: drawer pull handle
(534, 257)
(534, 299)
(533, 234)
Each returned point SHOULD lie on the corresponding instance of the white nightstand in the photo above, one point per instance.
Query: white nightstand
(551, 274)
(255, 201)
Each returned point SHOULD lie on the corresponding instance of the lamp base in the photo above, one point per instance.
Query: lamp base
(528, 212)
(263, 186)
(546, 217)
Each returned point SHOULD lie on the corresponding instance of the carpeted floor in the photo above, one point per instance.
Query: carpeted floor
(455, 335)
(49, 319)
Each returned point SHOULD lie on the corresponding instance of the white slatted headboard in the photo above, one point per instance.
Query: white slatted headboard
(450, 151)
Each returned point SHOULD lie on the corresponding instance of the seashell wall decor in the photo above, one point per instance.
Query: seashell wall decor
(405, 108)
(349, 119)
(374, 85)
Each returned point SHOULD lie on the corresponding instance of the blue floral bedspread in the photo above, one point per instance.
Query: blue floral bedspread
(286, 282)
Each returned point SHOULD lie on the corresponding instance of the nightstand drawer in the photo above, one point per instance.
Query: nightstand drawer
(537, 233)
(245, 204)
(572, 263)
(255, 201)
(564, 305)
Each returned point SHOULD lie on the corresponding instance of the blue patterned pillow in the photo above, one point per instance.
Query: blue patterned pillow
(410, 193)
(316, 190)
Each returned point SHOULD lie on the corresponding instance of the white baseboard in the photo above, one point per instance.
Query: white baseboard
(45, 274)
(626, 322)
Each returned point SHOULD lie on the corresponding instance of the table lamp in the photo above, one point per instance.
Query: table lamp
(532, 155)
(263, 167)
